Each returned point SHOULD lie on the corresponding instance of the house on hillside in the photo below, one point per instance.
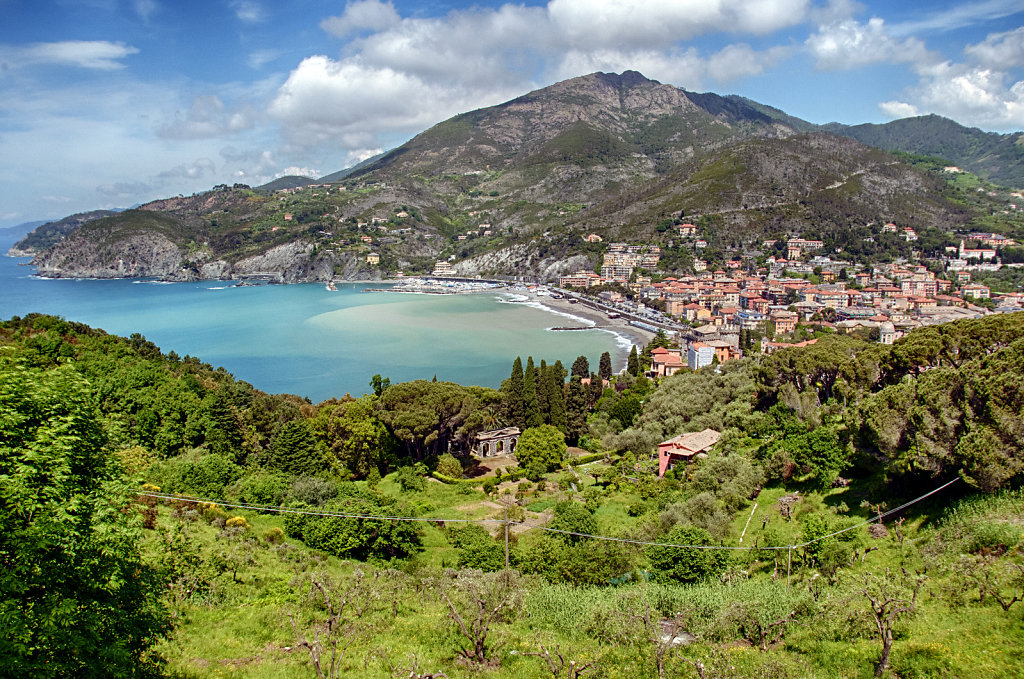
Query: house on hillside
(666, 362)
(684, 448)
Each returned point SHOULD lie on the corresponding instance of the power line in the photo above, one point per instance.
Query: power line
(292, 510)
(289, 510)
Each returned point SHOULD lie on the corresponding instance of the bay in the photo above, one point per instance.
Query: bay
(306, 340)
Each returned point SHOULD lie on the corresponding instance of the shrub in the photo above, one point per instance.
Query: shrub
(236, 522)
(313, 491)
(212, 512)
(273, 535)
(449, 466)
(263, 489)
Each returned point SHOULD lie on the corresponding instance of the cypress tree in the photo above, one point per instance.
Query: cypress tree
(555, 383)
(633, 364)
(605, 369)
(595, 391)
(514, 403)
(531, 406)
(576, 410)
(581, 367)
(542, 392)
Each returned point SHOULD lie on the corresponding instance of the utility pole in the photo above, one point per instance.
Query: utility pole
(789, 566)
(506, 546)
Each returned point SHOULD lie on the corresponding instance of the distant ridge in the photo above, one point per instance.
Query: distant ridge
(996, 157)
(287, 182)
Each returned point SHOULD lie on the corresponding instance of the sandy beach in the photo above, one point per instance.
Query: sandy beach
(619, 326)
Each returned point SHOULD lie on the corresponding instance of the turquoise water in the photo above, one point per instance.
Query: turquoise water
(306, 340)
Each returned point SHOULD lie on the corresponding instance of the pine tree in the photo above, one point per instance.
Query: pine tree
(581, 367)
(514, 403)
(605, 369)
(531, 406)
(633, 364)
(576, 410)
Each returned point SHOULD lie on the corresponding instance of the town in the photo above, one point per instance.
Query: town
(765, 302)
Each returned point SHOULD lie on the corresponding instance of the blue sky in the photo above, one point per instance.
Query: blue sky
(109, 103)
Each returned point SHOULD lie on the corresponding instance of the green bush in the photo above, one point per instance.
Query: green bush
(263, 489)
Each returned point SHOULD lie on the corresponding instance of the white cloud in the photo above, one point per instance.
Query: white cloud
(999, 50)
(684, 68)
(249, 11)
(200, 168)
(851, 44)
(93, 54)
(296, 171)
(261, 58)
(740, 61)
(898, 109)
(635, 24)
(145, 8)
(972, 95)
(960, 15)
(362, 15)
(207, 117)
(347, 103)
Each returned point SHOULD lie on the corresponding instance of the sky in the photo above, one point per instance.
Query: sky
(112, 103)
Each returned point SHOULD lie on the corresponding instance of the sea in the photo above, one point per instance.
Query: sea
(304, 339)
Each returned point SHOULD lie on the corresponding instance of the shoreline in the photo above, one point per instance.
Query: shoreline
(628, 335)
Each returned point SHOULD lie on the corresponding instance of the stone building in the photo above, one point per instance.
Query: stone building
(496, 443)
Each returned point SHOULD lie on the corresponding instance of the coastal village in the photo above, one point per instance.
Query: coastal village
(747, 307)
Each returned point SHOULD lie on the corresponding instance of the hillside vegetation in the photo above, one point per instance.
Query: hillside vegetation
(286, 568)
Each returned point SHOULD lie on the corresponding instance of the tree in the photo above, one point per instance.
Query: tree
(633, 363)
(353, 435)
(555, 386)
(531, 404)
(476, 602)
(572, 517)
(581, 367)
(575, 410)
(295, 450)
(889, 597)
(379, 384)
(541, 447)
(75, 596)
(683, 564)
(515, 395)
(605, 369)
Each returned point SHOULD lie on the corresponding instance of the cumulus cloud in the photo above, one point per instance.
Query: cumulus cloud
(296, 171)
(851, 44)
(347, 102)
(362, 15)
(971, 94)
(898, 109)
(626, 24)
(206, 118)
(93, 54)
(740, 61)
(999, 50)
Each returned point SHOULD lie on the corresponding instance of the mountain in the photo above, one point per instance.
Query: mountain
(48, 234)
(996, 157)
(509, 189)
(12, 234)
